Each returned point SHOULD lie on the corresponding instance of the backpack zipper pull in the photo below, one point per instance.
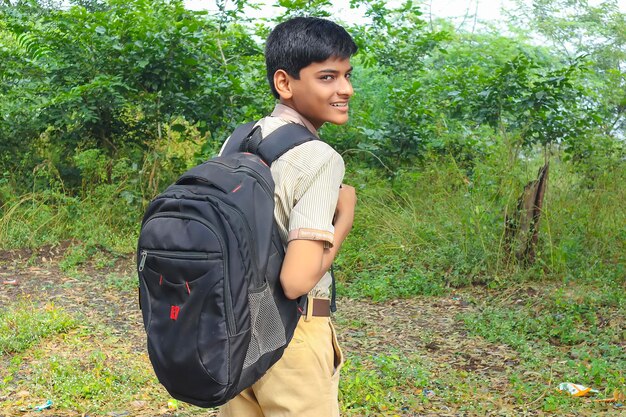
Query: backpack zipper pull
(142, 263)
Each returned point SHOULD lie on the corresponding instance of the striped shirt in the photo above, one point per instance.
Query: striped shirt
(307, 180)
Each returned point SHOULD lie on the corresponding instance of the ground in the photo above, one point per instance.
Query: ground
(412, 357)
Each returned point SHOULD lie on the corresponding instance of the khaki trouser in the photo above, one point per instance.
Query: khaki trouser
(303, 383)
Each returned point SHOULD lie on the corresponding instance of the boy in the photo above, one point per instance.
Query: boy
(308, 68)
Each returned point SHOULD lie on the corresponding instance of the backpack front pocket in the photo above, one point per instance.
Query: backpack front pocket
(181, 288)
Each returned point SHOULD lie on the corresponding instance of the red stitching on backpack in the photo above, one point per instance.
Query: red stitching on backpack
(188, 289)
(174, 310)
(236, 188)
(161, 280)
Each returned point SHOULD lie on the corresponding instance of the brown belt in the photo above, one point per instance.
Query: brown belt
(317, 307)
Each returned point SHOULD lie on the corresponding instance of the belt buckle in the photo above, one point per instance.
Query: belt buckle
(309, 307)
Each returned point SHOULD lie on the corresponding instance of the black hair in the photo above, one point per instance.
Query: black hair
(298, 42)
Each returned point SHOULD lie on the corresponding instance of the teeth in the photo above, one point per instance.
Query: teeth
(339, 105)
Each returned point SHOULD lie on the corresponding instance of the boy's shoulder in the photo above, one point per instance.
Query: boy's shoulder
(309, 157)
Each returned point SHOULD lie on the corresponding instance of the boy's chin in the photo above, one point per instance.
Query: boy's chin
(339, 120)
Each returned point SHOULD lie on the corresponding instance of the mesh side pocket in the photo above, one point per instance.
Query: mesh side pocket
(268, 332)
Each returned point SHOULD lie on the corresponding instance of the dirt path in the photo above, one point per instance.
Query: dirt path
(429, 330)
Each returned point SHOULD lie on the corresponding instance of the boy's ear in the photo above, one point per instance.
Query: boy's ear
(282, 83)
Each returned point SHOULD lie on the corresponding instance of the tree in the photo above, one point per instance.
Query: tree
(111, 75)
(575, 28)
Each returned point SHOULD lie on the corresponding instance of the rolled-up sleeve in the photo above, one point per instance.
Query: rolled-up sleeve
(312, 215)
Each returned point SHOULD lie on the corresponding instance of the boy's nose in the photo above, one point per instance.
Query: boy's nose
(345, 89)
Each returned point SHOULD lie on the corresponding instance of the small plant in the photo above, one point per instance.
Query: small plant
(122, 282)
(374, 384)
(74, 257)
(24, 324)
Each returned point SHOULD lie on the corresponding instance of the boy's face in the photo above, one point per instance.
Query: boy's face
(322, 92)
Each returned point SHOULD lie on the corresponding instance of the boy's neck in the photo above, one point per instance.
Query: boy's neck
(285, 111)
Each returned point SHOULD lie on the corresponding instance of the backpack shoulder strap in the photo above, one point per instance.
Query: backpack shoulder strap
(283, 139)
(247, 138)
(237, 138)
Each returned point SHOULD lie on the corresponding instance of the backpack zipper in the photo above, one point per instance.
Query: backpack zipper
(175, 255)
(228, 302)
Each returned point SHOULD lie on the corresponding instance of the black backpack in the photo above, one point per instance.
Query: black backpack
(209, 259)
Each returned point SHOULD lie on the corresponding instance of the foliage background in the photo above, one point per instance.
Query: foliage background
(104, 103)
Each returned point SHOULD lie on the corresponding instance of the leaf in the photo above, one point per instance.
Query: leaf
(178, 128)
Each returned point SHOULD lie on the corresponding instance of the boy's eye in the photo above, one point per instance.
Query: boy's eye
(329, 77)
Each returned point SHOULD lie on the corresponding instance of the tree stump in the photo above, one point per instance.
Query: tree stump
(522, 226)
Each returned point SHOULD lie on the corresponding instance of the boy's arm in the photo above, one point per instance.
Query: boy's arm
(306, 261)
(344, 218)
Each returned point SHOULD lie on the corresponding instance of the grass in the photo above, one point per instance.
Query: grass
(52, 216)
(566, 333)
(436, 228)
(81, 364)
(505, 353)
(24, 324)
(382, 384)
(422, 230)
(83, 373)
(121, 282)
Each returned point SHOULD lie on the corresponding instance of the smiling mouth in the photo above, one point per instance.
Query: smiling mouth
(340, 105)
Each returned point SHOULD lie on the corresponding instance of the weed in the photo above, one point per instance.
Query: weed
(24, 324)
(87, 380)
(380, 383)
(122, 282)
(75, 256)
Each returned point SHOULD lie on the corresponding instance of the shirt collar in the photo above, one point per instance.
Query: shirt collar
(287, 113)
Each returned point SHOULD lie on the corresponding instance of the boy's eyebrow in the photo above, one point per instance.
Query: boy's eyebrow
(334, 71)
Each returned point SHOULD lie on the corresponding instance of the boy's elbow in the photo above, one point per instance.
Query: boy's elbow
(295, 287)
(292, 294)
